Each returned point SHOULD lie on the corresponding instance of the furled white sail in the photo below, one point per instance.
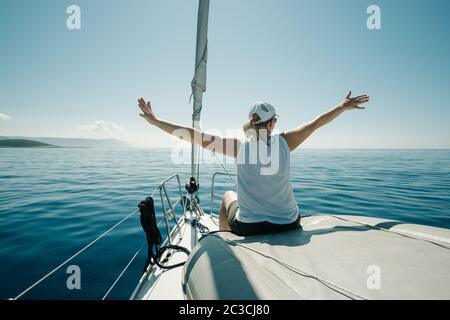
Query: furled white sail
(199, 81)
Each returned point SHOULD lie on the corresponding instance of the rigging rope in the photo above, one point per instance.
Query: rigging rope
(78, 252)
(123, 271)
(391, 231)
(226, 171)
(200, 226)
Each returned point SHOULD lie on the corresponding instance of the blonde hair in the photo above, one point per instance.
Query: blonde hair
(251, 127)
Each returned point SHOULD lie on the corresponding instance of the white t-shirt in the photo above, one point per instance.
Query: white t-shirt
(263, 186)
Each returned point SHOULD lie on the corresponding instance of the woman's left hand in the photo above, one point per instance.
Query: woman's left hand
(147, 110)
(354, 103)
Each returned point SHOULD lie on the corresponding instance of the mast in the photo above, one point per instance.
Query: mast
(199, 82)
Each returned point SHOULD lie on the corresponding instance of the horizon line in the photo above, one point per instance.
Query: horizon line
(132, 146)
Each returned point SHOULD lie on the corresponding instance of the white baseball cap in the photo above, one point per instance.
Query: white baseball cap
(264, 110)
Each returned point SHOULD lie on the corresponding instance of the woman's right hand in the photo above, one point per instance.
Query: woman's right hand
(147, 114)
(350, 103)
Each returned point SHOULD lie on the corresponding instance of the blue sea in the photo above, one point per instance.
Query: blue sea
(55, 201)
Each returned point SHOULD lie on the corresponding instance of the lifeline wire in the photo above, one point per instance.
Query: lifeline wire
(79, 252)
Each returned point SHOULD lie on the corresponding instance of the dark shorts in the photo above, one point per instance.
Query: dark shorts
(251, 229)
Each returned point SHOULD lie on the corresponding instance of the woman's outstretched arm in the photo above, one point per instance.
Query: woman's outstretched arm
(298, 135)
(226, 146)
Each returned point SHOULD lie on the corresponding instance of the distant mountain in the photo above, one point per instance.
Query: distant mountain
(75, 142)
(23, 143)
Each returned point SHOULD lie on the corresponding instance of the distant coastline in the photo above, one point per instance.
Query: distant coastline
(49, 142)
(24, 143)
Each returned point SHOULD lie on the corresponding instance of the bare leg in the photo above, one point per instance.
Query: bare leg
(228, 198)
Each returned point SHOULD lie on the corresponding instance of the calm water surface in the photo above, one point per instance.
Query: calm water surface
(54, 201)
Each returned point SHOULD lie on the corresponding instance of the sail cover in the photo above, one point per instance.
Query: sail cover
(333, 257)
(199, 81)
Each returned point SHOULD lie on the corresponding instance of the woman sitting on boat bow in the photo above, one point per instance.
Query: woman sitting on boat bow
(265, 201)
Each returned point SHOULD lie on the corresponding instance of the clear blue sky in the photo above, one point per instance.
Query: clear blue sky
(301, 56)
